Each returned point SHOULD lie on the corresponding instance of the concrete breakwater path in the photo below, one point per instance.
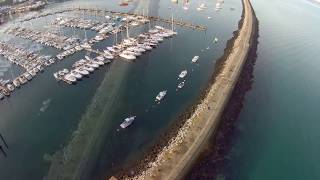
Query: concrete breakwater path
(177, 157)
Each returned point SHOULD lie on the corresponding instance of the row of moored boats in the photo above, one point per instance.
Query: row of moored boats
(81, 69)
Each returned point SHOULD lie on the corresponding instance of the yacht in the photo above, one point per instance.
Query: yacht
(99, 62)
(70, 78)
(79, 48)
(76, 74)
(40, 68)
(195, 59)
(161, 95)
(33, 74)
(132, 52)
(99, 38)
(88, 68)
(22, 79)
(107, 52)
(27, 76)
(127, 56)
(5, 92)
(86, 46)
(127, 122)
(108, 56)
(100, 58)
(93, 64)
(81, 71)
(183, 74)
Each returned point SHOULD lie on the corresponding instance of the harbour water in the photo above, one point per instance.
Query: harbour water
(277, 134)
(81, 122)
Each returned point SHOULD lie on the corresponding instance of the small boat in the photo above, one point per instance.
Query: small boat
(5, 92)
(22, 79)
(127, 122)
(183, 74)
(123, 4)
(88, 58)
(56, 76)
(195, 59)
(10, 87)
(180, 86)
(1, 96)
(215, 40)
(16, 83)
(161, 95)
(40, 68)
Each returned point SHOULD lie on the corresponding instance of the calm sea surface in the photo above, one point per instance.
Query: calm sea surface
(42, 118)
(278, 131)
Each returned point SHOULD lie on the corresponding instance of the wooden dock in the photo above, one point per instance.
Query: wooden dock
(105, 12)
(154, 18)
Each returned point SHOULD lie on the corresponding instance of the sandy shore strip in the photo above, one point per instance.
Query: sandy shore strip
(174, 160)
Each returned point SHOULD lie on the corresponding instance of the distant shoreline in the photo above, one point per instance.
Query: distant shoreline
(176, 152)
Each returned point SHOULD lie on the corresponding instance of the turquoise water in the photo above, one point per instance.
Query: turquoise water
(277, 134)
(92, 110)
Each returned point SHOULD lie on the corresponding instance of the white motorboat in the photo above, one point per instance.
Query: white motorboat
(181, 85)
(215, 40)
(195, 59)
(183, 74)
(161, 95)
(127, 122)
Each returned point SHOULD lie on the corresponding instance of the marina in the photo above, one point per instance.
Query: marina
(120, 65)
(129, 49)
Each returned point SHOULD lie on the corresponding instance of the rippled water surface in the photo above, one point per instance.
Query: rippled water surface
(80, 122)
(278, 131)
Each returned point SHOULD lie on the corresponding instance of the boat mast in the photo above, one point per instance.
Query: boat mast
(127, 30)
(85, 32)
(117, 37)
(148, 18)
(171, 19)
